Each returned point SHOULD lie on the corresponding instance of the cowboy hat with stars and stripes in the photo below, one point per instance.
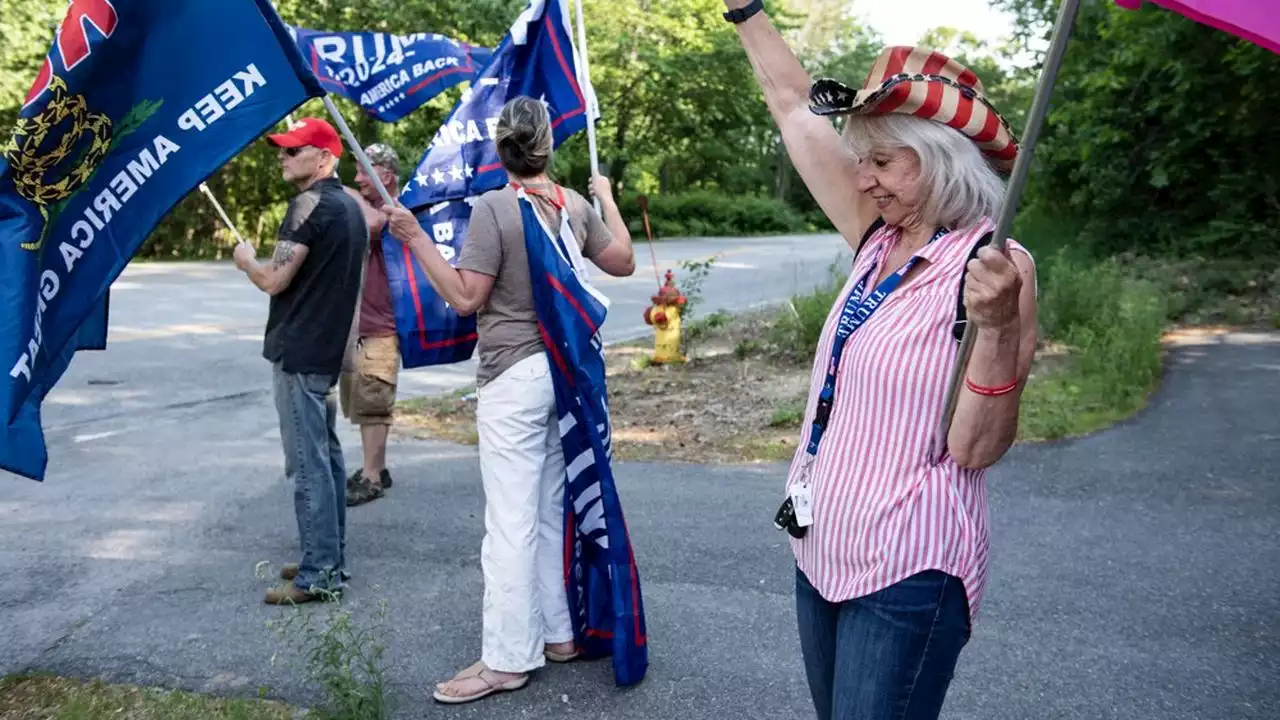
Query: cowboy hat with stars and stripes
(928, 85)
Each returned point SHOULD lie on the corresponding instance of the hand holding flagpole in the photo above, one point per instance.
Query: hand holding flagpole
(358, 151)
(221, 213)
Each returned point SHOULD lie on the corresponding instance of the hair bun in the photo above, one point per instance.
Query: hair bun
(523, 137)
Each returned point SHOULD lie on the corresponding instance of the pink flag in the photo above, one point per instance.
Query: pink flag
(1257, 21)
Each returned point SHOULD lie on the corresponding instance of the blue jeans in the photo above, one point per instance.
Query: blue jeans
(889, 655)
(308, 410)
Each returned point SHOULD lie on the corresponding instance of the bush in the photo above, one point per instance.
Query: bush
(1112, 324)
(798, 326)
(702, 214)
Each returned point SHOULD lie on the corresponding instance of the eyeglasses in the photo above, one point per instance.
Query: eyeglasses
(293, 151)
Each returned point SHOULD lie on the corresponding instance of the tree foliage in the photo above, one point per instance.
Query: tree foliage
(1161, 134)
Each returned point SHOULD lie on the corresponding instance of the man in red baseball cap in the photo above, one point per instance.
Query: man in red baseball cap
(312, 132)
(309, 145)
(314, 281)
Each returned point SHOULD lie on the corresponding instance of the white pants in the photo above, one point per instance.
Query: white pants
(522, 465)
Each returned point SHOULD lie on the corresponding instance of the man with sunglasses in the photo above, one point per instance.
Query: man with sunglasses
(314, 280)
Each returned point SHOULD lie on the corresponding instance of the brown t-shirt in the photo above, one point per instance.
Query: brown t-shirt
(508, 323)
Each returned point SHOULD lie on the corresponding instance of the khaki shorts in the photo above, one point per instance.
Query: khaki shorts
(368, 394)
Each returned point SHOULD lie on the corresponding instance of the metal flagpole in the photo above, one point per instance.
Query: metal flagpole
(221, 213)
(588, 96)
(1017, 181)
(358, 151)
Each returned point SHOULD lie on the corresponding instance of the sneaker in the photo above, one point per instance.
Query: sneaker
(365, 491)
(385, 478)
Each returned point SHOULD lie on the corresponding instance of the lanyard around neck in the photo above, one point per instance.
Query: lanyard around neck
(857, 310)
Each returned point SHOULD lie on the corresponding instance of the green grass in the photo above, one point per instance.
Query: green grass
(1110, 321)
(788, 415)
(54, 698)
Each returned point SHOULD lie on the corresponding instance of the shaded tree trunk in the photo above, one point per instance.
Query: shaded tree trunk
(782, 171)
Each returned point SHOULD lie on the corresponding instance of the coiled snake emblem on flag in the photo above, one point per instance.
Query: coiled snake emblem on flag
(32, 169)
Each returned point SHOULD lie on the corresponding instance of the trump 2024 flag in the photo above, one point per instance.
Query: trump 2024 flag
(389, 76)
(535, 59)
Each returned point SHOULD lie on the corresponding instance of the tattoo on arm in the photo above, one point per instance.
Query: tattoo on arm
(284, 254)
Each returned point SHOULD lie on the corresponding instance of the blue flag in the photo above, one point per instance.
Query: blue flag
(388, 75)
(600, 570)
(137, 103)
(431, 332)
(536, 59)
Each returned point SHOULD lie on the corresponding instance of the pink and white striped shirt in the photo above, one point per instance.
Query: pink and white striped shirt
(882, 512)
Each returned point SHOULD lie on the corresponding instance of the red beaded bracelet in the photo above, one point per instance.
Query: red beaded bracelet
(990, 391)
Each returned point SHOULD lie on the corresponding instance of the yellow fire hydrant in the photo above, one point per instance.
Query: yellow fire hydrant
(664, 316)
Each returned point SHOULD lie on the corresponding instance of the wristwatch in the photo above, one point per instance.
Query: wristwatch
(744, 13)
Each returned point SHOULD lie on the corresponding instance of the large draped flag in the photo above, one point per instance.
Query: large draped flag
(600, 568)
(137, 103)
(536, 58)
(388, 75)
(1254, 20)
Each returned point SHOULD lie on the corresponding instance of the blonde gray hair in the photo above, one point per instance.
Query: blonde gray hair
(958, 186)
(523, 137)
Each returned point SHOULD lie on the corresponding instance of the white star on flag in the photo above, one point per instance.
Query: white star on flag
(438, 176)
(467, 170)
(455, 172)
(422, 179)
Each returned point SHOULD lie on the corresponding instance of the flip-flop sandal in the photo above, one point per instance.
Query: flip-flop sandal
(558, 657)
(471, 671)
(489, 689)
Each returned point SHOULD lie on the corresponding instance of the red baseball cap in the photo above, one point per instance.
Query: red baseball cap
(309, 131)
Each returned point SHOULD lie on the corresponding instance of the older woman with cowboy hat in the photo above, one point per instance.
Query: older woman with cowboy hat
(890, 534)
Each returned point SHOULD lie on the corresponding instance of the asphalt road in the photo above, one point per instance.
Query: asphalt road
(191, 333)
(1136, 573)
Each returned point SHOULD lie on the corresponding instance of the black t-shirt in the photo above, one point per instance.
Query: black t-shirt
(308, 323)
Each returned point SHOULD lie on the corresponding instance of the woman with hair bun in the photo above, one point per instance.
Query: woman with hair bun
(526, 611)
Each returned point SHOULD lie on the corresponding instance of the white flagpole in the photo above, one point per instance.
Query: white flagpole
(1018, 180)
(217, 206)
(588, 95)
(358, 151)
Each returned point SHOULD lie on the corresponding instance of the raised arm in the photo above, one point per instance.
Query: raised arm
(824, 162)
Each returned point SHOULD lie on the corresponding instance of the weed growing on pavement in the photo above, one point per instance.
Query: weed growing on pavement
(693, 274)
(342, 652)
